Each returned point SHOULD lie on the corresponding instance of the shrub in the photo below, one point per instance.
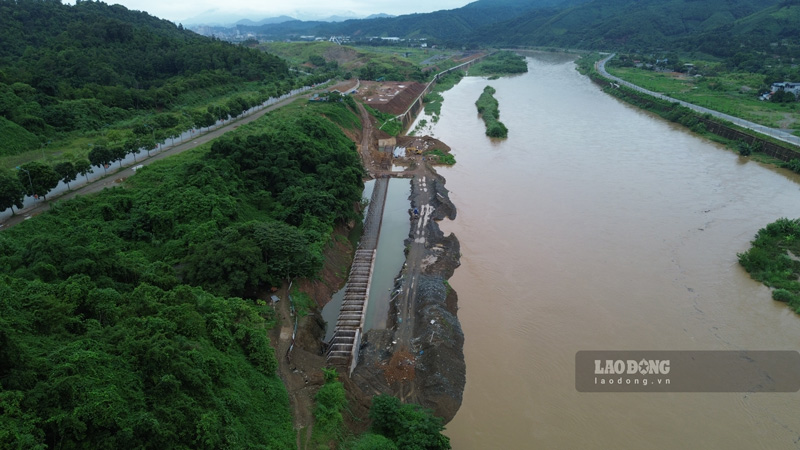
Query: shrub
(330, 401)
(371, 441)
(782, 295)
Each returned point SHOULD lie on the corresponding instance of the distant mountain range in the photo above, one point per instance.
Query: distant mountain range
(217, 18)
(590, 24)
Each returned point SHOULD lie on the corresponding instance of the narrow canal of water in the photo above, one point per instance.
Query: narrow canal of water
(388, 261)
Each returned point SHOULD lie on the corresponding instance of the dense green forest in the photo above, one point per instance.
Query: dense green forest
(449, 27)
(122, 319)
(615, 24)
(748, 30)
(95, 73)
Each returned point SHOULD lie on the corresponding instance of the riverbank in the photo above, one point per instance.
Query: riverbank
(419, 356)
(768, 145)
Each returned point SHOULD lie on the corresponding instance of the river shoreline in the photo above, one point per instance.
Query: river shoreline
(419, 356)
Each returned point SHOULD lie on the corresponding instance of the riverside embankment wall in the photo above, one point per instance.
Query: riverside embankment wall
(410, 114)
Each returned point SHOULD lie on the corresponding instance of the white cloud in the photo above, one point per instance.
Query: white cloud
(180, 10)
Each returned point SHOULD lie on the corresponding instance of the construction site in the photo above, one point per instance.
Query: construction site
(391, 97)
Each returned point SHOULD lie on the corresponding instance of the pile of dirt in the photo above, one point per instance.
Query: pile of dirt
(423, 143)
(440, 368)
(400, 367)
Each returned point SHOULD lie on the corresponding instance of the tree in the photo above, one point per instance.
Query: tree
(84, 167)
(11, 192)
(369, 441)
(130, 146)
(203, 119)
(41, 178)
(118, 154)
(67, 171)
(408, 425)
(149, 144)
(220, 112)
(782, 96)
(101, 156)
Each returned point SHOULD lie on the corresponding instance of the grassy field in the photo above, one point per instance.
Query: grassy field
(731, 93)
(415, 54)
(354, 57)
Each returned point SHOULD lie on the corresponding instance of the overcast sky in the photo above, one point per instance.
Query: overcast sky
(181, 10)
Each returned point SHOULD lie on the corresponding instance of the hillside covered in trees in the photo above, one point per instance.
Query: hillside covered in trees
(122, 323)
(614, 24)
(720, 28)
(107, 73)
(448, 26)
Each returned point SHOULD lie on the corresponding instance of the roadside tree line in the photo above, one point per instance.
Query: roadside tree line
(37, 179)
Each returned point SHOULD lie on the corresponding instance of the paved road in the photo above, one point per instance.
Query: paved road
(773, 132)
(114, 178)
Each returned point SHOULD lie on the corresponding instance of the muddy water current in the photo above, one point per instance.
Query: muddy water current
(596, 226)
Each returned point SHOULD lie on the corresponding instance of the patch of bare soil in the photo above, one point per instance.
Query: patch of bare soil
(337, 256)
(340, 54)
(788, 121)
(399, 368)
(423, 143)
(390, 96)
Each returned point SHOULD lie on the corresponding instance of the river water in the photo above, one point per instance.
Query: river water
(596, 226)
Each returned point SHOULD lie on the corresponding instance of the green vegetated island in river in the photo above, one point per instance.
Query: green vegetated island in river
(489, 110)
(495, 65)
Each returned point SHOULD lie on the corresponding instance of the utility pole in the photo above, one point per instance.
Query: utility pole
(29, 178)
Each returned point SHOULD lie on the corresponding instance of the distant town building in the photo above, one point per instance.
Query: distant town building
(785, 86)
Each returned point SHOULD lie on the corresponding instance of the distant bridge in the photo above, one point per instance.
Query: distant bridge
(346, 340)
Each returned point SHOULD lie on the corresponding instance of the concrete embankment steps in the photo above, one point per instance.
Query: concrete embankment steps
(343, 347)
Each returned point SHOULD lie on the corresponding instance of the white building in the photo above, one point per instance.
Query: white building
(786, 86)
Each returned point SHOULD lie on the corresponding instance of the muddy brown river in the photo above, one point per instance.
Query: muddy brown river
(596, 226)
